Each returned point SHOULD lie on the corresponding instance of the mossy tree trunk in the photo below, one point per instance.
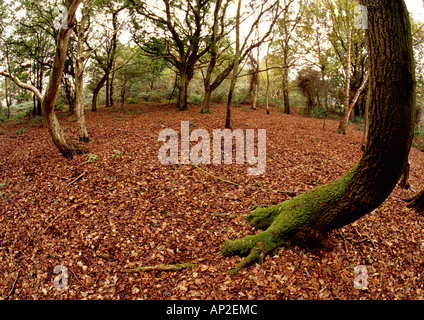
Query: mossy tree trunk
(372, 179)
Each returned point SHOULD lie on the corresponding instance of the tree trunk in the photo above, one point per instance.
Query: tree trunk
(111, 91)
(79, 77)
(107, 93)
(207, 100)
(56, 133)
(183, 83)
(235, 69)
(348, 111)
(97, 89)
(346, 105)
(268, 80)
(8, 99)
(285, 88)
(372, 179)
(49, 99)
(324, 83)
(212, 62)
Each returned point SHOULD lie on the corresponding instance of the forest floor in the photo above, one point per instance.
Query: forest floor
(107, 211)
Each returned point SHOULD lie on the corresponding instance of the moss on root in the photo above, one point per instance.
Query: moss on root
(305, 214)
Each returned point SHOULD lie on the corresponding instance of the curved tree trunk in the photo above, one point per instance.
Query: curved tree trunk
(56, 133)
(372, 179)
(48, 101)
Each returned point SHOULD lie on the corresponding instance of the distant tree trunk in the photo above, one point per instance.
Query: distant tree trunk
(347, 112)
(108, 66)
(70, 94)
(79, 75)
(212, 62)
(372, 179)
(8, 98)
(111, 90)
(207, 100)
(285, 88)
(268, 81)
(97, 89)
(346, 105)
(324, 83)
(183, 83)
(107, 93)
(235, 69)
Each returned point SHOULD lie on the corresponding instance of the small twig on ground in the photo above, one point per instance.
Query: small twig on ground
(344, 240)
(13, 287)
(161, 267)
(55, 218)
(75, 180)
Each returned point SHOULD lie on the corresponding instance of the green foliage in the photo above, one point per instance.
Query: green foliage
(116, 154)
(21, 131)
(92, 158)
(319, 113)
(3, 184)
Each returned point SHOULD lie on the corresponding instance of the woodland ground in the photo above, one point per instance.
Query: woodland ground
(129, 210)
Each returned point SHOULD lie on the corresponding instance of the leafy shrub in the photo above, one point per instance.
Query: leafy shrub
(20, 131)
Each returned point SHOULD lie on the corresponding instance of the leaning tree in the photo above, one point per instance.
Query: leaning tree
(48, 99)
(372, 179)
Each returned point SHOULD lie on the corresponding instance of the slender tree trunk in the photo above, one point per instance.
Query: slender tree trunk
(235, 69)
(48, 100)
(111, 91)
(268, 81)
(8, 99)
(56, 133)
(324, 83)
(107, 93)
(372, 179)
(348, 111)
(285, 88)
(97, 89)
(212, 62)
(346, 105)
(79, 76)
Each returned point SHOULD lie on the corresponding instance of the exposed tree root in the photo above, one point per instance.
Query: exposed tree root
(303, 217)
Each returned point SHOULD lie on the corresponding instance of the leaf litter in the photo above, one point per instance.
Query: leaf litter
(124, 210)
